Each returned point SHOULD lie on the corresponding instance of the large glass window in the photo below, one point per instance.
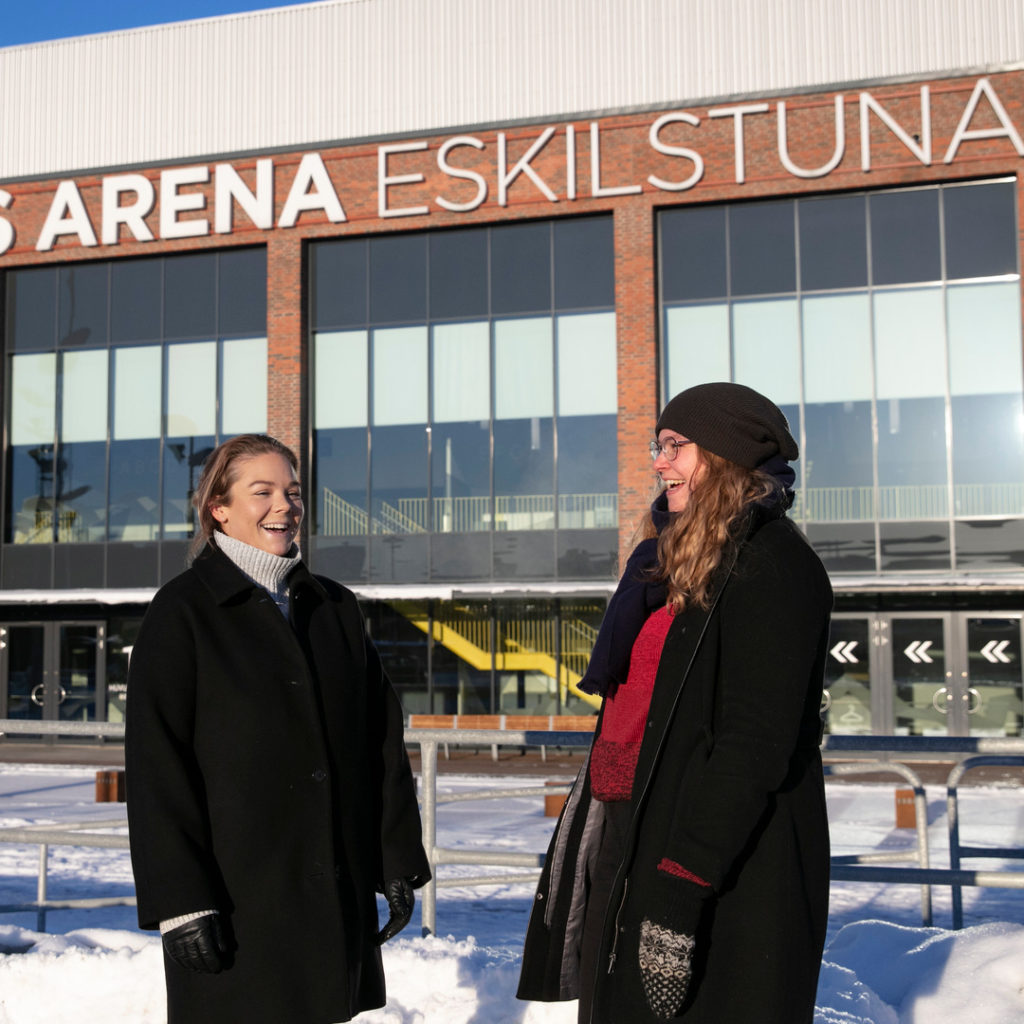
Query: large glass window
(122, 377)
(464, 403)
(891, 340)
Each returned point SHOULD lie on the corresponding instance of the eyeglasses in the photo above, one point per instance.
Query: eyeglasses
(670, 449)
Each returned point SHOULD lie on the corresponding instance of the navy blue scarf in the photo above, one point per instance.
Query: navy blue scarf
(640, 592)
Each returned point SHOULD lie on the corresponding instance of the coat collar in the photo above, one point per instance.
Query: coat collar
(226, 581)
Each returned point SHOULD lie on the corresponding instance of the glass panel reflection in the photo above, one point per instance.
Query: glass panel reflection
(461, 657)
(922, 702)
(980, 230)
(837, 459)
(995, 702)
(987, 403)
(24, 671)
(846, 702)
(78, 652)
(460, 434)
(905, 236)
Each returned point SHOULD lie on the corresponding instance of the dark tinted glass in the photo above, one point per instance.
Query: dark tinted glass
(190, 296)
(82, 492)
(242, 280)
(833, 242)
(693, 264)
(398, 278)
(339, 284)
(844, 547)
(32, 315)
(83, 304)
(989, 544)
(458, 274)
(584, 263)
(586, 554)
(28, 518)
(762, 253)
(905, 236)
(981, 230)
(135, 300)
(340, 482)
(183, 462)
(521, 268)
(910, 547)
(134, 510)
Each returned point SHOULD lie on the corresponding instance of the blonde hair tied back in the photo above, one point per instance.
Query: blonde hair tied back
(220, 471)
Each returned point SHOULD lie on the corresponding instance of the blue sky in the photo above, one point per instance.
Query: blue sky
(31, 21)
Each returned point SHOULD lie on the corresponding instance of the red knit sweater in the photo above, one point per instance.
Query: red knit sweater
(613, 759)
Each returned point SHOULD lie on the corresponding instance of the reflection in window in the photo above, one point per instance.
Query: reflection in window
(892, 377)
(910, 394)
(466, 411)
(460, 434)
(987, 405)
(109, 423)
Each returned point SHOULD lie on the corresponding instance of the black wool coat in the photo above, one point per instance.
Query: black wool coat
(729, 785)
(267, 778)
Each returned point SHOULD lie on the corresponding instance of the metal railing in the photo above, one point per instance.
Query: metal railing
(957, 850)
(868, 755)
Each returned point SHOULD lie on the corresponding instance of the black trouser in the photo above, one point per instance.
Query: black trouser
(599, 888)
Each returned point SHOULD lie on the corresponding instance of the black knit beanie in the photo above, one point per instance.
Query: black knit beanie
(730, 420)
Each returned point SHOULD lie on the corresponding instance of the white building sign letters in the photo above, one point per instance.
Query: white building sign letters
(127, 200)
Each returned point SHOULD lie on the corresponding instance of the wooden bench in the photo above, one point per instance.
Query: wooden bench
(531, 723)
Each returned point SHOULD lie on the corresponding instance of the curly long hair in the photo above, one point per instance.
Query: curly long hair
(220, 471)
(696, 541)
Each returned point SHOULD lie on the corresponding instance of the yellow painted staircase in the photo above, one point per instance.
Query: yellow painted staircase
(521, 645)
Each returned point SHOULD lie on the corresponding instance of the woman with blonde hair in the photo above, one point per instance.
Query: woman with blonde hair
(688, 875)
(269, 792)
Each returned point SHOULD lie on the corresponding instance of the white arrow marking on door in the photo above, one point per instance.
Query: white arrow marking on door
(843, 652)
(993, 651)
(917, 651)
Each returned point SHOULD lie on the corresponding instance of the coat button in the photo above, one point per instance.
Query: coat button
(319, 775)
(293, 682)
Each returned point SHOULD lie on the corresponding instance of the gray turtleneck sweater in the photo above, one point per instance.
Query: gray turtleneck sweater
(266, 570)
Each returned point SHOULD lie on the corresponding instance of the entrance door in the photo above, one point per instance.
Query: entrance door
(990, 681)
(22, 666)
(52, 671)
(925, 700)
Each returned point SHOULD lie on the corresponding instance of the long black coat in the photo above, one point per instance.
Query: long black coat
(729, 785)
(267, 778)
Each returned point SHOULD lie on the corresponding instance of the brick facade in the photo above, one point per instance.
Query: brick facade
(552, 185)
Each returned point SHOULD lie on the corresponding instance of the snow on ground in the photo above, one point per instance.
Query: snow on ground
(880, 965)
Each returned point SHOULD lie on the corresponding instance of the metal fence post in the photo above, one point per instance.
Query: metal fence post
(44, 858)
(428, 780)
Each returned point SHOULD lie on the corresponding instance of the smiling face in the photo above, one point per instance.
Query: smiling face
(264, 505)
(682, 474)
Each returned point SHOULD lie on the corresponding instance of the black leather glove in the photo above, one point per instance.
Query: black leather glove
(401, 899)
(197, 945)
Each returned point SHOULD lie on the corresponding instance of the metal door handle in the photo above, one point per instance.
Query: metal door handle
(976, 707)
(826, 701)
(36, 696)
(63, 695)
(935, 700)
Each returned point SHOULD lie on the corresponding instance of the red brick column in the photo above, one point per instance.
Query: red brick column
(286, 327)
(636, 324)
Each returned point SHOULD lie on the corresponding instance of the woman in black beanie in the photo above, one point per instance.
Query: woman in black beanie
(688, 876)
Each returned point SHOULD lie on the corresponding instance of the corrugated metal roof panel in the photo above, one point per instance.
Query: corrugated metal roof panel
(346, 69)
